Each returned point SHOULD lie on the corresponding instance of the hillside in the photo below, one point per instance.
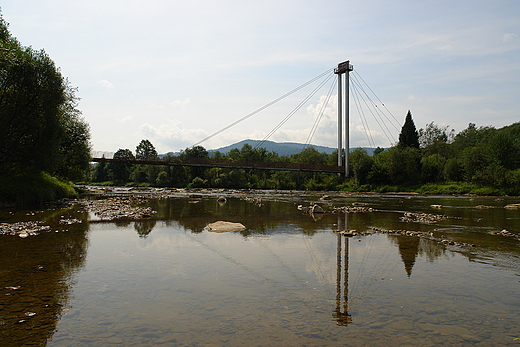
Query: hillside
(283, 148)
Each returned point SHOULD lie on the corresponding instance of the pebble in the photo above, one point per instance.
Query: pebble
(349, 209)
(426, 218)
(23, 229)
(119, 208)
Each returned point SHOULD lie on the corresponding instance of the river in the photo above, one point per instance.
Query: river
(418, 270)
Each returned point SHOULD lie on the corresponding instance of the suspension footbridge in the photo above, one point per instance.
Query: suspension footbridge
(345, 86)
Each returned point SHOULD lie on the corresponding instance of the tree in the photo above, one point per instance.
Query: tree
(162, 179)
(361, 164)
(400, 164)
(121, 171)
(434, 139)
(309, 155)
(41, 128)
(145, 151)
(100, 173)
(74, 146)
(409, 136)
(195, 152)
(377, 151)
(432, 167)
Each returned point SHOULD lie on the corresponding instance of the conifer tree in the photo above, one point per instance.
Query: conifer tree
(409, 137)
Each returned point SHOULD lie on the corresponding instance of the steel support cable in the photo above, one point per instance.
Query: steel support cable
(362, 116)
(263, 107)
(360, 273)
(301, 281)
(370, 110)
(251, 271)
(321, 276)
(378, 111)
(376, 119)
(396, 125)
(376, 96)
(386, 263)
(296, 109)
(320, 115)
(318, 118)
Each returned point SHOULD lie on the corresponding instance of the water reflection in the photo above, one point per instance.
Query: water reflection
(36, 278)
(175, 280)
(275, 213)
(340, 314)
(144, 227)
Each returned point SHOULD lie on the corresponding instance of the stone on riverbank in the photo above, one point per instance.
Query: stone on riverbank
(222, 227)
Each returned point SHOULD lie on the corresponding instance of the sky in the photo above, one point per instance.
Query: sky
(176, 72)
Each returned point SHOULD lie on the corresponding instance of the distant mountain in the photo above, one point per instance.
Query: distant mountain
(281, 148)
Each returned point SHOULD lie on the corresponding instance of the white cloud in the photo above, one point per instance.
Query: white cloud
(105, 84)
(125, 119)
(181, 103)
(171, 136)
(444, 48)
(509, 37)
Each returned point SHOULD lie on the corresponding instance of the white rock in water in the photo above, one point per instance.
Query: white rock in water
(221, 227)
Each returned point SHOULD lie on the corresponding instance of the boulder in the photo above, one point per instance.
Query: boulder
(222, 227)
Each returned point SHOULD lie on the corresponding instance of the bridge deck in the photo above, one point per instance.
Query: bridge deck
(230, 164)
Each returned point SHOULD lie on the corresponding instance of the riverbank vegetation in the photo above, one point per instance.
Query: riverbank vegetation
(431, 160)
(44, 141)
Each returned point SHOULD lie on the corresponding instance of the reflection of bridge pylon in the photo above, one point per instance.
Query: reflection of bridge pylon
(340, 314)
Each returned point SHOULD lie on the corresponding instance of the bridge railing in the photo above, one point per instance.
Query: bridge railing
(227, 163)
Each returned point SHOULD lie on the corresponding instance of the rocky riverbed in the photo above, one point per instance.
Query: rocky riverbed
(111, 204)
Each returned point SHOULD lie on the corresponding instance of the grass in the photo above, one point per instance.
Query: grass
(447, 188)
(33, 189)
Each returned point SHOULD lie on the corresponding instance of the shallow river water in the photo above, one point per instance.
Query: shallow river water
(288, 280)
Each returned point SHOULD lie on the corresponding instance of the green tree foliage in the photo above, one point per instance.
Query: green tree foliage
(361, 165)
(41, 128)
(482, 156)
(145, 151)
(401, 165)
(432, 168)
(100, 173)
(488, 156)
(309, 155)
(121, 171)
(434, 139)
(195, 152)
(409, 137)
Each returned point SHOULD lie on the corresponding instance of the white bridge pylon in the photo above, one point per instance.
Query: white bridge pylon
(343, 68)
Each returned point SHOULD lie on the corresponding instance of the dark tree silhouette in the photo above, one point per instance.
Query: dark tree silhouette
(409, 137)
(145, 151)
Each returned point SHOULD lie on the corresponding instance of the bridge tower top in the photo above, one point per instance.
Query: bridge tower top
(343, 68)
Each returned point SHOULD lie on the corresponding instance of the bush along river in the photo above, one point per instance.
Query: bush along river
(130, 267)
